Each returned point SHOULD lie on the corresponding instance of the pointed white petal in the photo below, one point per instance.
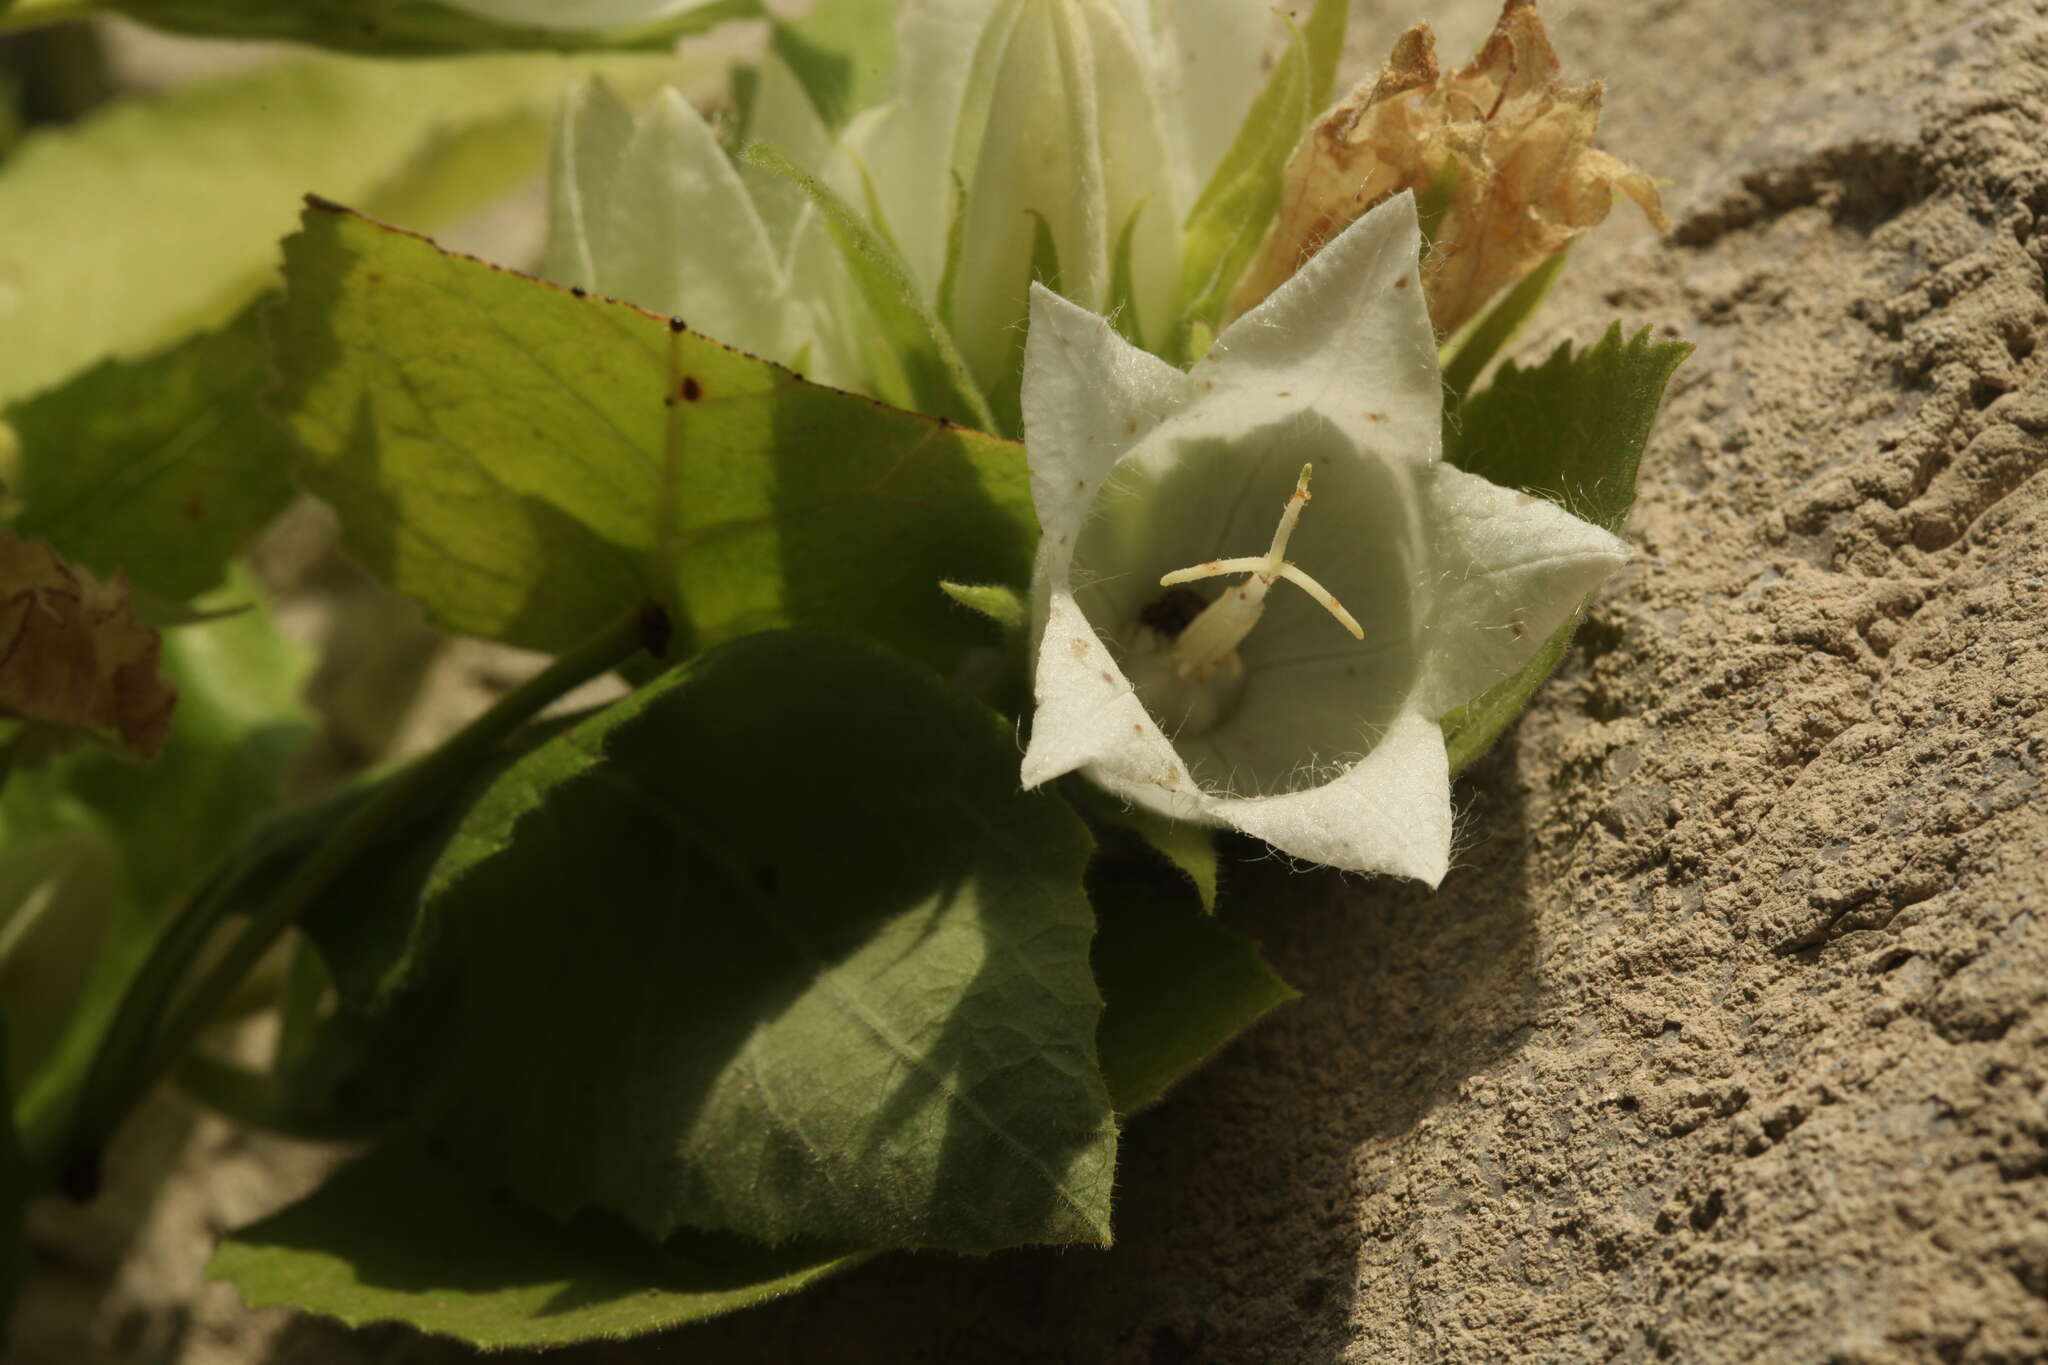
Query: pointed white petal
(680, 235)
(1089, 396)
(1087, 715)
(591, 132)
(1348, 334)
(1391, 812)
(1507, 568)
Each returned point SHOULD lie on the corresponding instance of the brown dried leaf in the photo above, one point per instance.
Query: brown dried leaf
(72, 652)
(1527, 178)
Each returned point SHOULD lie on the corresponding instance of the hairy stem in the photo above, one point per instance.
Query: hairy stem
(150, 1033)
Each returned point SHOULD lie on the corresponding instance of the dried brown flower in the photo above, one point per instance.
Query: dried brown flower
(1515, 142)
(72, 652)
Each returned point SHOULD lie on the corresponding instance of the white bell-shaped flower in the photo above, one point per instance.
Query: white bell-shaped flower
(1259, 585)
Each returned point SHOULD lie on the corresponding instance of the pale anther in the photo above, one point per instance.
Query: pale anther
(1213, 637)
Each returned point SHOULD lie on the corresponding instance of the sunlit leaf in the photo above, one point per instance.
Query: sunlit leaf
(526, 462)
(152, 219)
(411, 26)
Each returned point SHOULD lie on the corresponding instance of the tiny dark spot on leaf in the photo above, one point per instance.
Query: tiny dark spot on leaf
(677, 325)
(691, 390)
(579, 291)
(193, 511)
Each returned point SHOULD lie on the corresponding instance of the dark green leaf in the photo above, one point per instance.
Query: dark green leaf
(13, 1198)
(410, 26)
(159, 827)
(776, 946)
(402, 1237)
(1177, 984)
(502, 451)
(843, 53)
(1482, 341)
(1572, 430)
(163, 469)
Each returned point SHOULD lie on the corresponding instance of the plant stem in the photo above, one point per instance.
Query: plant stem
(148, 1035)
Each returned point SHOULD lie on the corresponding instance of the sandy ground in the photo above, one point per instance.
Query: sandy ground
(1728, 1037)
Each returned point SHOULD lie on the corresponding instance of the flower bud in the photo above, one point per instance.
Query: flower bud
(1059, 150)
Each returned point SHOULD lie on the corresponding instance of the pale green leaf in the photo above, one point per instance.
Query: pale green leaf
(843, 52)
(776, 946)
(152, 219)
(1000, 604)
(162, 469)
(1571, 430)
(1235, 208)
(526, 463)
(410, 26)
(927, 374)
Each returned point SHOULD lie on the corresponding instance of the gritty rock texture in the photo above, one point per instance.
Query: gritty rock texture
(1727, 1039)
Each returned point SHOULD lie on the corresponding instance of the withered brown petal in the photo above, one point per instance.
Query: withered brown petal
(1525, 178)
(72, 653)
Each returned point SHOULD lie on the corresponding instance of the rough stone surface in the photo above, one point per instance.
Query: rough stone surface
(1727, 1040)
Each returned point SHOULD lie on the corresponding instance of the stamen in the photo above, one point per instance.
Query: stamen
(1213, 637)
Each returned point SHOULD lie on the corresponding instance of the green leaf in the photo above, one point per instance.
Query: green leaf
(1236, 207)
(152, 219)
(999, 603)
(163, 469)
(775, 946)
(843, 53)
(410, 26)
(238, 725)
(917, 364)
(1572, 430)
(13, 1198)
(1178, 985)
(503, 452)
(1190, 848)
(1482, 340)
(399, 1236)
(1324, 36)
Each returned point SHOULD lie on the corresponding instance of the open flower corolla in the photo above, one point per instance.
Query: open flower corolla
(1289, 490)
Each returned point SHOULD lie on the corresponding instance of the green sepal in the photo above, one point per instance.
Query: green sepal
(1572, 430)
